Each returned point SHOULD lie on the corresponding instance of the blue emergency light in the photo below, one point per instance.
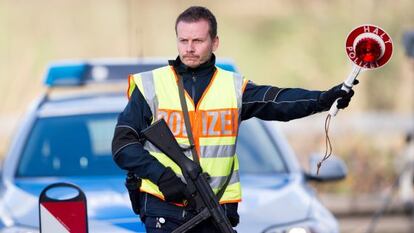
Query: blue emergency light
(69, 74)
(227, 66)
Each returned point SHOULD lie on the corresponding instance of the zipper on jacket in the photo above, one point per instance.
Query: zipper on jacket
(193, 88)
(184, 214)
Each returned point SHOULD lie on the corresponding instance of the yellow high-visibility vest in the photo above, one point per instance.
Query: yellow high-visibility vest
(214, 121)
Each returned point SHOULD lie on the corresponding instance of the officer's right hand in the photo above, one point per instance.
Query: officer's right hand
(327, 98)
(173, 189)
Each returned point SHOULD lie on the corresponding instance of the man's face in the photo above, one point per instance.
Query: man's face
(194, 43)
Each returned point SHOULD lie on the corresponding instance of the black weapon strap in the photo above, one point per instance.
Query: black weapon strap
(187, 120)
(191, 138)
(223, 188)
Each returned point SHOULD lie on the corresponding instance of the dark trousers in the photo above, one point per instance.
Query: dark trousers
(162, 217)
(167, 225)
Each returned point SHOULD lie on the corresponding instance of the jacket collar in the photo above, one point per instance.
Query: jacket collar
(204, 68)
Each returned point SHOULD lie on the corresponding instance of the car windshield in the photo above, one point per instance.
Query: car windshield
(257, 151)
(80, 145)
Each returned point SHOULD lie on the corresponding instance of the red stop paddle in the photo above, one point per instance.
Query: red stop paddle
(368, 47)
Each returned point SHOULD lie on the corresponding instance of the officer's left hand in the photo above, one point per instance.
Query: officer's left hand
(327, 98)
(173, 189)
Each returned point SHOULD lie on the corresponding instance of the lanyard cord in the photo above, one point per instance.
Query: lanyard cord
(328, 145)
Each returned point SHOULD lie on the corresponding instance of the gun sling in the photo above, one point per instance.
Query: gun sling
(191, 138)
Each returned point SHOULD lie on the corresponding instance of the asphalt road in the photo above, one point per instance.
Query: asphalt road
(386, 224)
(355, 214)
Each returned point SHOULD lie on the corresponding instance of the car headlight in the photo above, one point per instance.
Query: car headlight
(16, 229)
(289, 230)
(5, 218)
(309, 226)
(7, 224)
(298, 230)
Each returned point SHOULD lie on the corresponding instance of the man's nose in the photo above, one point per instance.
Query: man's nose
(190, 47)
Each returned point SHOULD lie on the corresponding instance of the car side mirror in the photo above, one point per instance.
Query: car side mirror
(332, 169)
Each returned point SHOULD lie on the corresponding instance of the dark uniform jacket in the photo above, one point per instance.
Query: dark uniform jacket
(261, 101)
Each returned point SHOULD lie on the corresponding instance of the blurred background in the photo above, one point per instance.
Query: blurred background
(294, 43)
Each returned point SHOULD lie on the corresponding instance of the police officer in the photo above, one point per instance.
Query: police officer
(217, 102)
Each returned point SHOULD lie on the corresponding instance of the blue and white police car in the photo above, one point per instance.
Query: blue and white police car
(66, 137)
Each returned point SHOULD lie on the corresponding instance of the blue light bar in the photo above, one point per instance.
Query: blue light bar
(69, 74)
(227, 66)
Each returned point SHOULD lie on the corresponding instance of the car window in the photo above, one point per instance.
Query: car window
(256, 150)
(77, 145)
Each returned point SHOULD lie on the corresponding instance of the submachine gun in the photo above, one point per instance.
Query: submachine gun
(202, 198)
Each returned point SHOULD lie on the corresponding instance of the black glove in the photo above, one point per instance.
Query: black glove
(327, 98)
(173, 189)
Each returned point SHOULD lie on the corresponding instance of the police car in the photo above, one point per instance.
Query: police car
(66, 137)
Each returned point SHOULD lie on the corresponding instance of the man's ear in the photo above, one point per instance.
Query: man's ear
(216, 43)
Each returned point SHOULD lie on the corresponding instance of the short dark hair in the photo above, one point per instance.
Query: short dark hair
(197, 13)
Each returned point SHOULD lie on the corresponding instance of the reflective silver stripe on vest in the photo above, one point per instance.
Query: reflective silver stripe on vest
(218, 181)
(182, 178)
(238, 84)
(149, 90)
(219, 151)
(152, 148)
